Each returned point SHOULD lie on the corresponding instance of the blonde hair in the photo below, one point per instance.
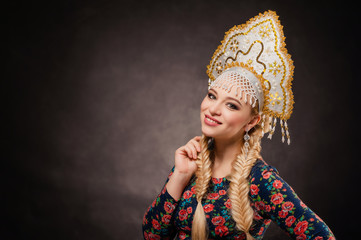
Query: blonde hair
(241, 210)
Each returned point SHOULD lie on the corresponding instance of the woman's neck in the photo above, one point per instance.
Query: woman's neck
(224, 154)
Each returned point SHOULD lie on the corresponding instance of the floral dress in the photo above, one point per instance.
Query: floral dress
(272, 199)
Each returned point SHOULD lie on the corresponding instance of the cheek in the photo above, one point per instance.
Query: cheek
(204, 104)
(234, 119)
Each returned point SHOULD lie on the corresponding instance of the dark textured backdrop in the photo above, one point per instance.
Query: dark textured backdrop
(102, 93)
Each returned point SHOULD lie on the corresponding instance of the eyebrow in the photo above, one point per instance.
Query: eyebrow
(228, 97)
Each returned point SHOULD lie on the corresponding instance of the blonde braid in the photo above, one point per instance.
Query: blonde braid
(204, 175)
(242, 211)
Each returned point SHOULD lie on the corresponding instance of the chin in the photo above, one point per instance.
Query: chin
(206, 133)
(209, 133)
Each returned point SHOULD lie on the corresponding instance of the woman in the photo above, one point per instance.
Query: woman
(220, 187)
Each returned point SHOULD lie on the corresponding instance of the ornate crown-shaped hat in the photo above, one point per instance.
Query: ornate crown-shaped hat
(253, 60)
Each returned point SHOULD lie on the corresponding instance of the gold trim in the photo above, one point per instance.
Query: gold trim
(245, 53)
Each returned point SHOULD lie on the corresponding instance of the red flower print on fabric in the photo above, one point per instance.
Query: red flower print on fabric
(218, 220)
(254, 189)
(217, 180)
(183, 215)
(152, 236)
(267, 208)
(271, 198)
(228, 203)
(221, 230)
(290, 220)
(166, 219)
(222, 192)
(187, 194)
(300, 227)
(266, 174)
(186, 228)
(277, 198)
(301, 237)
(240, 237)
(282, 214)
(182, 235)
(277, 184)
(189, 210)
(287, 206)
(168, 207)
(256, 216)
(208, 208)
(213, 196)
(155, 224)
(259, 205)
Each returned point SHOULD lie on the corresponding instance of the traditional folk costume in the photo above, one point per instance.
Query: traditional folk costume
(251, 61)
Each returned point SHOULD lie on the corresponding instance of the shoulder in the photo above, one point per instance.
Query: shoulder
(262, 170)
(266, 186)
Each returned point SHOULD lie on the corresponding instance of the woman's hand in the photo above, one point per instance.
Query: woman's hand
(185, 166)
(186, 156)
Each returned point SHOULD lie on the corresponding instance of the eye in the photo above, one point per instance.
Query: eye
(232, 106)
(211, 96)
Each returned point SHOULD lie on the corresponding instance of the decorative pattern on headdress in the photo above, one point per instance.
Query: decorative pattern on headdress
(258, 46)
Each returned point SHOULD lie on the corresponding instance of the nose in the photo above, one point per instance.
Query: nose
(215, 108)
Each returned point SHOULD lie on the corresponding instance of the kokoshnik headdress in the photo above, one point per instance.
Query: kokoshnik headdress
(253, 62)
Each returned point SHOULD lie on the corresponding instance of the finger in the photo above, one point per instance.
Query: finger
(189, 151)
(196, 144)
(194, 151)
(197, 138)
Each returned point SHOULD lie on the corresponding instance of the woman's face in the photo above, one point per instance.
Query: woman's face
(224, 116)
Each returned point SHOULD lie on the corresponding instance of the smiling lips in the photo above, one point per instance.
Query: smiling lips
(211, 121)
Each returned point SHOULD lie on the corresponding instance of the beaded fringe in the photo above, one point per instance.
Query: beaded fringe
(272, 125)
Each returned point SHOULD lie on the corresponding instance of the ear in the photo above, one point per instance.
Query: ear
(253, 122)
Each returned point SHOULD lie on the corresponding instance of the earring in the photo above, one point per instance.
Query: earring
(246, 138)
(211, 144)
